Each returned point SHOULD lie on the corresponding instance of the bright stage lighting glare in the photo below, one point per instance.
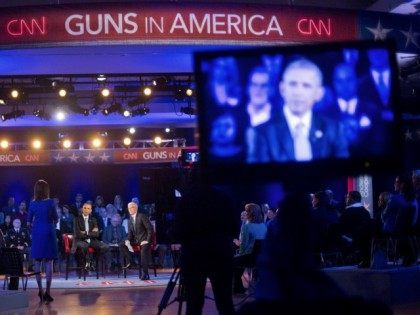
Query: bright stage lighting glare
(96, 142)
(167, 130)
(66, 144)
(147, 91)
(4, 144)
(36, 144)
(14, 93)
(158, 140)
(189, 92)
(127, 141)
(127, 113)
(105, 92)
(101, 78)
(62, 92)
(132, 130)
(60, 115)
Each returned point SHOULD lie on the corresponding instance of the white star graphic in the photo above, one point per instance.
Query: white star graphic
(90, 158)
(58, 157)
(379, 32)
(104, 157)
(73, 158)
(411, 37)
(408, 135)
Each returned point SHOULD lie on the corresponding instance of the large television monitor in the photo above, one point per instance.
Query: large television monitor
(274, 112)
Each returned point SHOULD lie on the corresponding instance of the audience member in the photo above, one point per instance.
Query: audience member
(254, 230)
(18, 237)
(289, 279)
(7, 224)
(21, 214)
(10, 208)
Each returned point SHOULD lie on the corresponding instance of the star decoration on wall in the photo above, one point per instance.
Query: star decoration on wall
(73, 158)
(411, 37)
(58, 157)
(379, 32)
(104, 157)
(89, 158)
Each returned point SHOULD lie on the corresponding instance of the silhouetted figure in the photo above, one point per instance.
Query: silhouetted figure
(205, 226)
(290, 282)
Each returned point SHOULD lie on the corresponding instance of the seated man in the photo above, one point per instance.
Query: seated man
(140, 232)
(115, 236)
(86, 234)
(17, 237)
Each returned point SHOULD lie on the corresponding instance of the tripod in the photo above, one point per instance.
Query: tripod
(180, 298)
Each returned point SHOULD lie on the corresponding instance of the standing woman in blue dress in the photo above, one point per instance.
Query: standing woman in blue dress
(42, 218)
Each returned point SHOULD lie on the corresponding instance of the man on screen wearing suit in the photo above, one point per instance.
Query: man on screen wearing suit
(140, 231)
(299, 134)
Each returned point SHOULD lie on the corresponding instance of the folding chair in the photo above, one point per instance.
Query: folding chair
(13, 267)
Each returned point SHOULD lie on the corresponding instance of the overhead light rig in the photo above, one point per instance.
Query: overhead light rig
(90, 94)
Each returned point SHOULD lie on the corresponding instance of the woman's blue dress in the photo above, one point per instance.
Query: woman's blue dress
(42, 217)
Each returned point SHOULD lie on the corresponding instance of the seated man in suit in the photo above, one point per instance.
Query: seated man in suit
(86, 234)
(140, 232)
(298, 133)
(115, 236)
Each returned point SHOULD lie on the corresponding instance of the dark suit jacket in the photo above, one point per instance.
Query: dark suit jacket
(107, 236)
(273, 141)
(79, 227)
(142, 231)
(355, 222)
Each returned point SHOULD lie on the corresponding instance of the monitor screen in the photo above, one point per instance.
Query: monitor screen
(328, 108)
(190, 156)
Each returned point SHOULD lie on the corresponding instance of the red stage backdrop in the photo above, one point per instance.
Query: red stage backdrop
(145, 23)
(115, 156)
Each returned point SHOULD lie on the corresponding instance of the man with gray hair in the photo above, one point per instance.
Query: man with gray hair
(298, 133)
(140, 232)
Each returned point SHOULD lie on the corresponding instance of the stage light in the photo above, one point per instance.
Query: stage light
(37, 144)
(157, 140)
(127, 141)
(103, 134)
(189, 92)
(42, 114)
(101, 78)
(60, 115)
(2, 101)
(167, 130)
(62, 92)
(127, 113)
(105, 92)
(66, 144)
(14, 93)
(12, 115)
(147, 91)
(96, 142)
(115, 107)
(4, 144)
(160, 82)
(132, 130)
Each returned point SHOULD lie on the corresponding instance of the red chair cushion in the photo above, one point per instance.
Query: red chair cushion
(136, 247)
(91, 250)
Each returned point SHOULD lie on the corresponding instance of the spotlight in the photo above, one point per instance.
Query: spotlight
(66, 144)
(12, 115)
(132, 130)
(157, 140)
(167, 130)
(115, 107)
(147, 91)
(103, 134)
(188, 110)
(62, 92)
(140, 111)
(60, 115)
(14, 93)
(189, 92)
(2, 101)
(105, 92)
(36, 144)
(96, 142)
(4, 144)
(127, 113)
(101, 78)
(127, 141)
